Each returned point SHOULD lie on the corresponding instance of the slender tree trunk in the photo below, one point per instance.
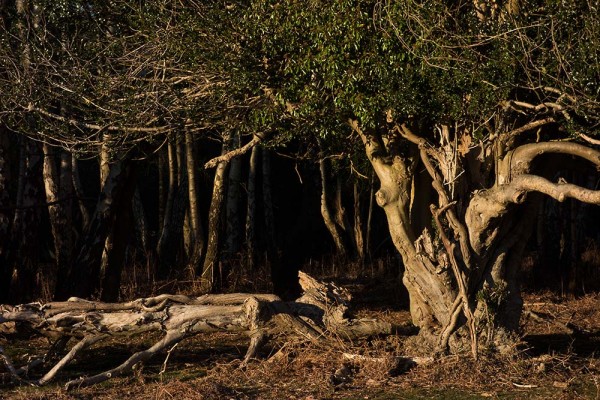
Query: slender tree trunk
(79, 192)
(66, 192)
(251, 209)
(342, 220)
(58, 192)
(358, 226)
(26, 223)
(370, 218)
(186, 226)
(164, 260)
(210, 272)
(105, 161)
(122, 231)
(162, 188)
(195, 222)
(140, 220)
(5, 215)
(84, 276)
(334, 229)
(233, 228)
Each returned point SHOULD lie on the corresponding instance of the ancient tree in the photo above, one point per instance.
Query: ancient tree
(464, 109)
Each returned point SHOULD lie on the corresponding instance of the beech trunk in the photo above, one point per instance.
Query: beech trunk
(462, 275)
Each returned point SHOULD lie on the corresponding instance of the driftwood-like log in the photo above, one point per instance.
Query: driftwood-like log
(320, 313)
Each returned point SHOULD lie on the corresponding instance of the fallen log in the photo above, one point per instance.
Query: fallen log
(320, 314)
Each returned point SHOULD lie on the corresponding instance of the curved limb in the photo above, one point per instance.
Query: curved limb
(168, 340)
(85, 342)
(521, 158)
(516, 191)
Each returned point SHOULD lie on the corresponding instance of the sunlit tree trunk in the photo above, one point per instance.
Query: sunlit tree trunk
(105, 161)
(335, 230)
(358, 225)
(195, 221)
(210, 273)
(467, 274)
(58, 187)
(166, 228)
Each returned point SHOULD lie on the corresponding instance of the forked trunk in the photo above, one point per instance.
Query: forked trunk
(329, 217)
(462, 273)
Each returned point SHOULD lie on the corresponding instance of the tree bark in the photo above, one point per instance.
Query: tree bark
(26, 230)
(84, 276)
(196, 223)
(467, 280)
(58, 195)
(121, 232)
(165, 261)
(358, 226)
(210, 272)
(5, 215)
(80, 193)
(251, 209)
(332, 226)
(233, 227)
(321, 314)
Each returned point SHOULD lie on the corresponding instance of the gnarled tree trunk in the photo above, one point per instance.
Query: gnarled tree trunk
(465, 272)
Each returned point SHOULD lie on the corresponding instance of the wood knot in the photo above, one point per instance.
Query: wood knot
(381, 198)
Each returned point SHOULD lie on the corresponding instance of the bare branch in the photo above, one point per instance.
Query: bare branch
(522, 156)
(530, 126)
(80, 124)
(589, 139)
(258, 138)
(517, 190)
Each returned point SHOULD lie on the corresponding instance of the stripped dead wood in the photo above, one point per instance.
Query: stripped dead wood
(322, 312)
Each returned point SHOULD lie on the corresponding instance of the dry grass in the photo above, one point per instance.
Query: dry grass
(550, 364)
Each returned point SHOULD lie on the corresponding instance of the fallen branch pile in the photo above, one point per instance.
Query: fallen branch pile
(320, 314)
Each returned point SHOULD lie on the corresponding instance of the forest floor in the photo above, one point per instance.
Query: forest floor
(552, 362)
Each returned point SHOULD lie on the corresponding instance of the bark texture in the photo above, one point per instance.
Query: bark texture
(462, 273)
(321, 314)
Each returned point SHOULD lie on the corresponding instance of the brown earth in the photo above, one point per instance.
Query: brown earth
(557, 358)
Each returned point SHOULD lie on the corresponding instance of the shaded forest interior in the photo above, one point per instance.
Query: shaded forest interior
(563, 254)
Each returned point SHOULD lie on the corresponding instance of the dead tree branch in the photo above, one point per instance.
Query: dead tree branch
(320, 313)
